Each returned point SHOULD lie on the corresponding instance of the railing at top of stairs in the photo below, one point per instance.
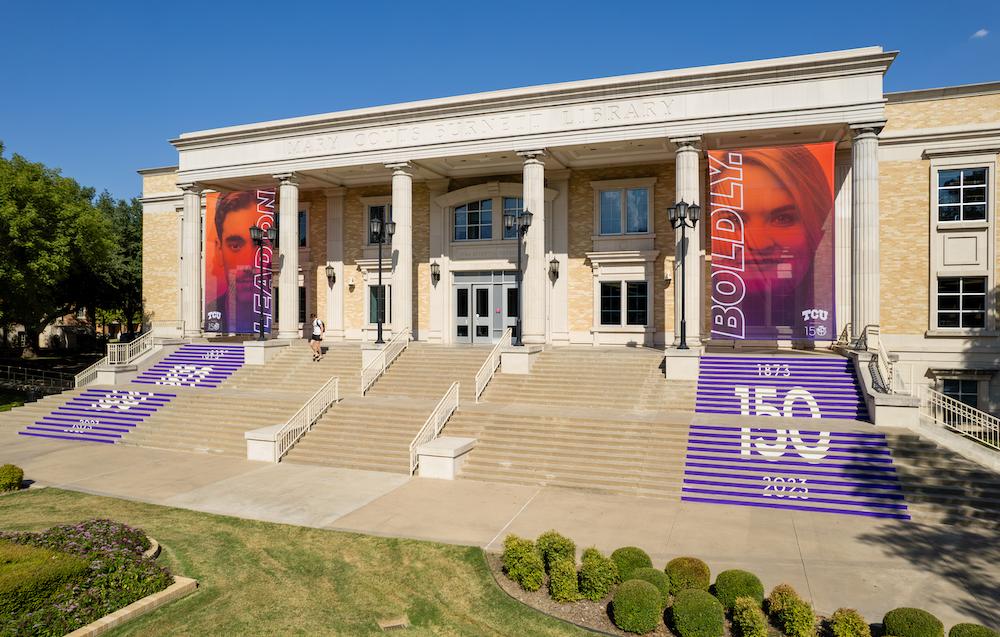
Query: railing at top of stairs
(435, 422)
(944, 411)
(117, 354)
(492, 362)
(887, 374)
(374, 369)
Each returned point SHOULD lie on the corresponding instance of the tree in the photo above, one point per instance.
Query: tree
(123, 300)
(57, 249)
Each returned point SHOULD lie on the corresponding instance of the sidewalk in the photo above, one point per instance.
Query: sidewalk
(835, 560)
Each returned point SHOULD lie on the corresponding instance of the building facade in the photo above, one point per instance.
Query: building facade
(598, 163)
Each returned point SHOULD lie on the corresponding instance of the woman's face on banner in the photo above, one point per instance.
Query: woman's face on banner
(778, 249)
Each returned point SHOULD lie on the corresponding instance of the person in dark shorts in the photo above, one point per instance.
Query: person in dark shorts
(316, 337)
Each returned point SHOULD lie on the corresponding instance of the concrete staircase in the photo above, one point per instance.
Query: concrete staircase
(427, 371)
(602, 377)
(294, 371)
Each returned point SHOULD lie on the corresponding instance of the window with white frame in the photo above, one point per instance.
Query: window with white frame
(961, 302)
(382, 212)
(474, 221)
(633, 296)
(513, 206)
(624, 211)
(964, 390)
(962, 194)
(379, 303)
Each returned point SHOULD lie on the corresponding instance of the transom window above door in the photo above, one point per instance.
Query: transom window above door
(474, 221)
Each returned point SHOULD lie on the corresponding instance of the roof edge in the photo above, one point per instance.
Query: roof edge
(943, 92)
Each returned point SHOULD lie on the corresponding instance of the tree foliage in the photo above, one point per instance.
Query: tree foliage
(62, 248)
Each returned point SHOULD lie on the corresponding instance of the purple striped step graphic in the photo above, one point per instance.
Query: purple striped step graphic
(194, 365)
(98, 415)
(849, 473)
(791, 386)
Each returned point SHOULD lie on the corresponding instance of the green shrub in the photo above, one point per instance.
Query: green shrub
(30, 576)
(657, 578)
(629, 558)
(597, 575)
(688, 572)
(971, 630)
(696, 613)
(912, 622)
(554, 546)
(748, 618)
(847, 622)
(636, 607)
(736, 583)
(562, 581)
(781, 595)
(523, 563)
(797, 619)
(11, 477)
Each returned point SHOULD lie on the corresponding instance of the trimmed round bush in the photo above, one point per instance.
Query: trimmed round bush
(798, 620)
(696, 613)
(736, 583)
(597, 575)
(971, 630)
(562, 581)
(629, 558)
(847, 622)
(10, 477)
(636, 607)
(523, 563)
(748, 618)
(554, 546)
(688, 572)
(658, 579)
(912, 622)
(781, 595)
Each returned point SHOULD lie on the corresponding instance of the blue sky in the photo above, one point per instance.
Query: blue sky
(98, 88)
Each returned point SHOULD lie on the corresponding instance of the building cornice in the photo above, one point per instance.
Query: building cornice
(944, 92)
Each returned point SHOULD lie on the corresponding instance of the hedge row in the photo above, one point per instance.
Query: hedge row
(11, 477)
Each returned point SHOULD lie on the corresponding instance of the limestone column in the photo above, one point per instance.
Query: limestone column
(335, 257)
(190, 282)
(535, 265)
(288, 256)
(865, 228)
(402, 247)
(687, 187)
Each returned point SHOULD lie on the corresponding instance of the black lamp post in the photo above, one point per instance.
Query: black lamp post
(381, 231)
(678, 216)
(521, 220)
(259, 237)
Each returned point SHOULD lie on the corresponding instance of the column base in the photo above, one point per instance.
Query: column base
(518, 360)
(682, 364)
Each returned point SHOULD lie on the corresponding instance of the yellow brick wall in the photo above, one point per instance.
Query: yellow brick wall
(976, 109)
(581, 232)
(355, 227)
(904, 248)
(160, 265)
(159, 183)
(314, 267)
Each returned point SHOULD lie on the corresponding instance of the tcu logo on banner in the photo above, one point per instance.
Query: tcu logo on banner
(782, 439)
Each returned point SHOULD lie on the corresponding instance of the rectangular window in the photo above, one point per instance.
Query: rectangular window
(635, 300)
(383, 213)
(302, 304)
(379, 303)
(962, 194)
(611, 303)
(474, 221)
(515, 206)
(961, 302)
(965, 390)
(303, 228)
(627, 208)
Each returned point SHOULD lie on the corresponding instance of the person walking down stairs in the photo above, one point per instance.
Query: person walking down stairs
(315, 341)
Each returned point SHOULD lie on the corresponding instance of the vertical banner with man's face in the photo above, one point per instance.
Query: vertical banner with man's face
(771, 211)
(237, 272)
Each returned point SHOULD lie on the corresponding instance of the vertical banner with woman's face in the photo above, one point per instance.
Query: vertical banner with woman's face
(771, 211)
(237, 272)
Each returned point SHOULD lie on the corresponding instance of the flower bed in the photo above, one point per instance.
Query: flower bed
(674, 600)
(116, 574)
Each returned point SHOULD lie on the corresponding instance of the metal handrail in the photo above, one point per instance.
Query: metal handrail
(435, 422)
(303, 420)
(492, 362)
(125, 353)
(39, 377)
(377, 366)
(963, 419)
(88, 375)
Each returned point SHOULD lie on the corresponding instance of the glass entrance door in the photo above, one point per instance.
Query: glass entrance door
(463, 323)
(481, 316)
(485, 304)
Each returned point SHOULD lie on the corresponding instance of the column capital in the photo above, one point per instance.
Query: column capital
(400, 168)
(287, 179)
(687, 142)
(532, 156)
(867, 128)
(191, 187)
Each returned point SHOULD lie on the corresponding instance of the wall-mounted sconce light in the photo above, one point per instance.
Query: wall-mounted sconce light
(435, 271)
(554, 268)
(331, 274)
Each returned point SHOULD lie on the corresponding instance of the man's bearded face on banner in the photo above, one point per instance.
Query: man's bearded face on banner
(238, 252)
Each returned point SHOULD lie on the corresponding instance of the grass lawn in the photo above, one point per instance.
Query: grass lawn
(264, 578)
